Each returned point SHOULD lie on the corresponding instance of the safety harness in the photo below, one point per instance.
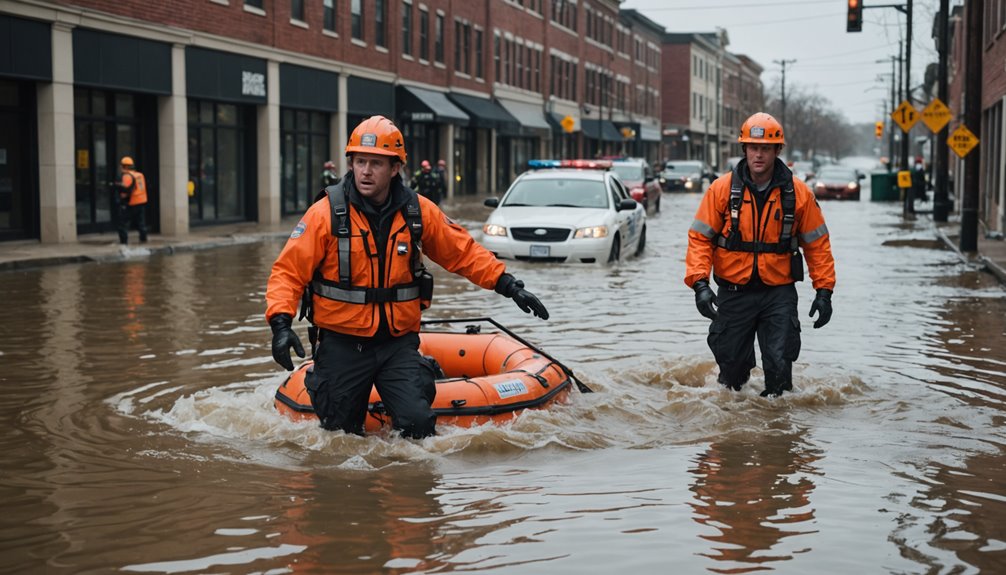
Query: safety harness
(788, 242)
(343, 290)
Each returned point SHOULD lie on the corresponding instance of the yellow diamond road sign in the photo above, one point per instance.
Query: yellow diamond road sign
(962, 141)
(568, 123)
(936, 115)
(905, 116)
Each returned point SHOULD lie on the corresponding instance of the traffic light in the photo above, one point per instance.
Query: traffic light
(878, 129)
(854, 23)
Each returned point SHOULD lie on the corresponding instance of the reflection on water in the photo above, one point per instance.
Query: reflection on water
(141, 436)
(753, 492)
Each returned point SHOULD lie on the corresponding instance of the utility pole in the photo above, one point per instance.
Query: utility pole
(783, 64)
(972, 119)
(909, 208)
(941, 199)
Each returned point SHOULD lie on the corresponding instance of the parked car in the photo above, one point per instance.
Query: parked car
(686, 175)
(803, 170)
(575, 211)
(838, 183)
(731, 162)
(639, 179)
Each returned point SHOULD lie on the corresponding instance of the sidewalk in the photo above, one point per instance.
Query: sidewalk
(18, 255)
(991, 252)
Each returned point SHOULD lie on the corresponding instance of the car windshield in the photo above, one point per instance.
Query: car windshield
(683, 168)
(837, 174)
(561, 192)
(629, 172)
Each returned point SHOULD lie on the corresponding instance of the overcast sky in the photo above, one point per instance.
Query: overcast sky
(836, 64)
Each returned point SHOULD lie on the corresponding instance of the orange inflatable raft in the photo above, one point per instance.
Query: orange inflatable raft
(489, 377)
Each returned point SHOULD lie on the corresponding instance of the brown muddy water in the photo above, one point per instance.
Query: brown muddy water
(140, 437)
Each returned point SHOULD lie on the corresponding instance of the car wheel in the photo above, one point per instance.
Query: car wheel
(616, 250)
(642, 241)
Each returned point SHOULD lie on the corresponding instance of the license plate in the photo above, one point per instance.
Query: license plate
(539, 251)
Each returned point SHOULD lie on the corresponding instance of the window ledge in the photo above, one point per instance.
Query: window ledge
(254, 10)
(358, 42)
(408, 57)
(299, 23)
(381, 49)
(330, 33)
(221, 2)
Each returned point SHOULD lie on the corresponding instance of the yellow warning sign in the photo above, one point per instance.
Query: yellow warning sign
(905, 116)
(904, 179)
(568, 123)
(962, 141)
(936, 115)
(83, 159)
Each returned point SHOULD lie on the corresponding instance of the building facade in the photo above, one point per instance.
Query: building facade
(231, 107)
(701, 116)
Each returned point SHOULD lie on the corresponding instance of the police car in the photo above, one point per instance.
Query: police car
(575, 211)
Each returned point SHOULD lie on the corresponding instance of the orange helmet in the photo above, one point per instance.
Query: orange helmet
(761, 128)
(126, 161)
(377, 135)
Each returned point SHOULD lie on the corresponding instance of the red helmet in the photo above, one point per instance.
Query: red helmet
(330, 165)
(425, 165)
(377, 135)
(761, 128)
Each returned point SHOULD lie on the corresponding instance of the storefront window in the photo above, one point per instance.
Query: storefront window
(305, 136)
(218, 163)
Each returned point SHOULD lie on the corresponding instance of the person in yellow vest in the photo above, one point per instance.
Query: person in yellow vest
(132, 201)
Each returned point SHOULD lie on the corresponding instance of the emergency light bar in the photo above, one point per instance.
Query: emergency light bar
(575, 164)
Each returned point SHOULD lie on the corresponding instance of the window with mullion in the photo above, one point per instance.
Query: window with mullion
(407, 28)
(329, 15)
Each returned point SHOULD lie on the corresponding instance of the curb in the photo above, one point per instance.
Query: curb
(989, 265)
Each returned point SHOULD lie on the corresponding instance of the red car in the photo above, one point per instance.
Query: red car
(837, 183)
(639, 179)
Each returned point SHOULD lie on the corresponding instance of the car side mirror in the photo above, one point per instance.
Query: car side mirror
(492, 202)
(627, 204)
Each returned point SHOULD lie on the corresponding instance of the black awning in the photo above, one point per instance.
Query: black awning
(484, 113)
(421, 105)
(601, 130)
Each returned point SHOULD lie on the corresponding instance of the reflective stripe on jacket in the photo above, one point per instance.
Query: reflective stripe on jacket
(713, 219)
(313, 247)
(137, 194)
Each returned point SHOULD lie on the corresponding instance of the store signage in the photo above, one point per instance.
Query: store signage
(422, 116)
(252, 84)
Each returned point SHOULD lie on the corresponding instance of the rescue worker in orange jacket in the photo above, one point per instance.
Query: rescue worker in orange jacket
(132, 201)
(358, 253)
(748, 233)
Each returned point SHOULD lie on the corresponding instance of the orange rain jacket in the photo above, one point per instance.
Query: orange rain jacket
(312, 244)
(713, 219)
(137, 194)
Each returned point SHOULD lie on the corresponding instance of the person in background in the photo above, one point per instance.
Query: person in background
(132, 187)
(359, 254)
(426, 182)
(747, 233)
(329, 176)
(441, 173)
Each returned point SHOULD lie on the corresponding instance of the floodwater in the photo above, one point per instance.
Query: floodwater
(140, 437)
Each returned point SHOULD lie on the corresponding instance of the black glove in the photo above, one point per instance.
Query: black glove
(821, 305)
(282, 338)
(508, 286)
(705, 299)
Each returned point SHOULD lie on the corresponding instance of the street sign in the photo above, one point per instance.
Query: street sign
(962, 141)
(905, 116)
(904, 179)
(936, 115)
(568, 123)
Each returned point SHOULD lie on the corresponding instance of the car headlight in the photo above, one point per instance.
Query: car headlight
(689, 184)
(494, 230)
(853, 185)
(592, 232)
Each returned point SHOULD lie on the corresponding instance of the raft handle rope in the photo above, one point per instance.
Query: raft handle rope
(579, 384)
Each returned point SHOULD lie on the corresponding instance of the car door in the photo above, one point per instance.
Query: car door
(628, 220)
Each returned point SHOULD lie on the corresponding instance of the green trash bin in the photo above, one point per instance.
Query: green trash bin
(884, 187)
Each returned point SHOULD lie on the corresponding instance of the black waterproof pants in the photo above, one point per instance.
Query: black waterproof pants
(345, 369)
(132, 216)
(771, 313)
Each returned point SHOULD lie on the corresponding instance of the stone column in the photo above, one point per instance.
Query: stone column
(268, 140)
(172, 120)
(57, 188)
(340, 129)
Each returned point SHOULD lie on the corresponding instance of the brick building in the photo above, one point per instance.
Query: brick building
(701, 116)
(230, 107)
